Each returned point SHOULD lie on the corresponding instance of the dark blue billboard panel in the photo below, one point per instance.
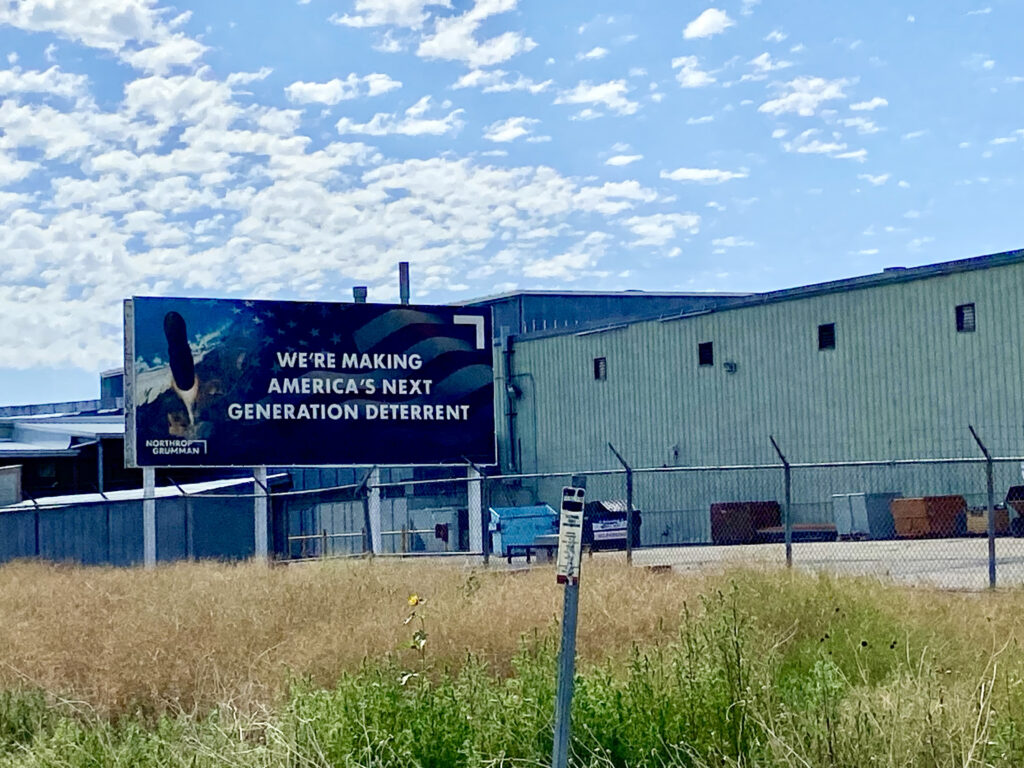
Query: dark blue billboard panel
(220, 382)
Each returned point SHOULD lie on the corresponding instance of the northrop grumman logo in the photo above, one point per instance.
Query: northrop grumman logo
(177, 447)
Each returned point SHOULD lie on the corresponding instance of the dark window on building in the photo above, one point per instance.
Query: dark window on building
(965, 318)
(705, 353)
(827, 336)
(600, 368)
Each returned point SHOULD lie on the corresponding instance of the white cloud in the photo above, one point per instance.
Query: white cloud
(778, 133)
(497, 81)
(732, 241)
(913, 135)
(862, 124)
(637, 72)
(775, 36)
(571, 264)
(874, 103)
(413, 124)
(173, 51)
(711, 22)
(53, 81)
(613, 197)
(453, 37)
(411, 14)
(388, 43)
(245, 78)
(336, 90)
(703, 175)
(763, 66)
(619, 160)
(1002, 140)
(661, 228)
(804, 95)
(611, 95)
(593, 54)
(690, 74)
(875, 181)
(807, 143)
(980, 11)
(704, 119)
(510, 129)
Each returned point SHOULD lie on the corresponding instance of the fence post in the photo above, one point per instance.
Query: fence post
(629, 504)
(991, 509)
(787, 519)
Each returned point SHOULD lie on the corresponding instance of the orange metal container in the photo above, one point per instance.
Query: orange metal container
(927, 516)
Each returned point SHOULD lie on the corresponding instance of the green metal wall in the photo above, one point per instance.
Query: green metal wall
(901, 382)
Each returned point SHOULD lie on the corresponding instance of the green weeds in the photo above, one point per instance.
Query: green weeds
(768, 670)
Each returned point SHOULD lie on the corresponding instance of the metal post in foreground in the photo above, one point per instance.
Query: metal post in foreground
(567, 570)
(787, 519)
(991, 509)
(149, 517)
(629, 504)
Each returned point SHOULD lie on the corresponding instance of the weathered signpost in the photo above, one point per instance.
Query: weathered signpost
(567, 569)
(235, 383)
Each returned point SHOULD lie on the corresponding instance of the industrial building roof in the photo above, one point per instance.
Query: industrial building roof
(888, 276)
(576, 294)
(56, 434)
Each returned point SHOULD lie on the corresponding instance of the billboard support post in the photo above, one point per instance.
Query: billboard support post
(373, 509)
(475, 512)
(260, 509)
(149, 517)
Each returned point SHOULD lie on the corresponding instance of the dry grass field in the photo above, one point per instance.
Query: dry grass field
(212, 664)
(192, 635)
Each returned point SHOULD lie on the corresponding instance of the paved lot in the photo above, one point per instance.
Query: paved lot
(946, 563)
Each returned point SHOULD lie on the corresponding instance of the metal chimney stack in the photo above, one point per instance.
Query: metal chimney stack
(359, 294)
(403, 281)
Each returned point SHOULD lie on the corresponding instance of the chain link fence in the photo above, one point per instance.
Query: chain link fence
(951, 523)
(916, 521)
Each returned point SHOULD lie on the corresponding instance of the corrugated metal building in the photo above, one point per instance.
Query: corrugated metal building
(887, 366)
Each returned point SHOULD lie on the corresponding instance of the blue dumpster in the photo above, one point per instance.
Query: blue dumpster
(515, 529)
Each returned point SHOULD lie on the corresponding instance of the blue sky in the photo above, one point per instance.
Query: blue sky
(293, 149)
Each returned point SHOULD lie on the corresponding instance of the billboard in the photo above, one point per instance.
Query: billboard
(222, 382)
